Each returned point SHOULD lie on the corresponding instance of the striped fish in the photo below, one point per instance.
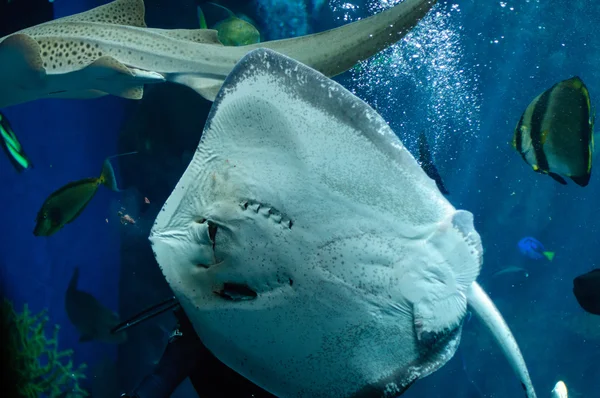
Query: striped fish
(12, 147)
(555, 133)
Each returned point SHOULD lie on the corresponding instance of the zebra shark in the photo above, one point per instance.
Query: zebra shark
(110, 50)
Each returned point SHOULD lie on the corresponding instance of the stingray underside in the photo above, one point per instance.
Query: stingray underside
(311, 252)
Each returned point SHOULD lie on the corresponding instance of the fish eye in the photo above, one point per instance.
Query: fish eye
(44, 215)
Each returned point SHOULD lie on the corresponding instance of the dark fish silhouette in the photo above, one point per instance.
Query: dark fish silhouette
(586, 288)
(426, 162)
(90, 317)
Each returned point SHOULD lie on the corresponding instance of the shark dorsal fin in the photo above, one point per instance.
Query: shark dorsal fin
(119, 12)
(204, 36)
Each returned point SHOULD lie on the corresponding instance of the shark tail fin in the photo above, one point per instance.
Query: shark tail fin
(348, 44)
(490, 316)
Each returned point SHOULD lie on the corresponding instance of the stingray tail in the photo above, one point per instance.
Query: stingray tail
(490, 316)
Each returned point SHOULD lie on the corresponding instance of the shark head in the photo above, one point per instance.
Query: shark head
(308, 248)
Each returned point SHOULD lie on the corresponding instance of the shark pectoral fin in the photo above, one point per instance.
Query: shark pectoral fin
(136, 93)
(118, 12)
(107, 67)
(204, 36)
(111, 76)
(21, 61)
(206, 87)
(490, 316)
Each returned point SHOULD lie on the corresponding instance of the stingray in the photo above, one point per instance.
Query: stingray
(308, 248)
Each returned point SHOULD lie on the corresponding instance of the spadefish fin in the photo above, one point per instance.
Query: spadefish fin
(558, 178)
(582, 181)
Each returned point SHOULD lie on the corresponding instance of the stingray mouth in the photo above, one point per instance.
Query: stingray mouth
(236, 292)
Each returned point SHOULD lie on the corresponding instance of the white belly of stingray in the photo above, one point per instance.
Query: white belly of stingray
(309, 250)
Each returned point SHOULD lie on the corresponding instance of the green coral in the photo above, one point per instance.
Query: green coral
(37, 365)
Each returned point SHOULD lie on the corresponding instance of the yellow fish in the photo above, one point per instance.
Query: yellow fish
(67, 203)
(231, 31)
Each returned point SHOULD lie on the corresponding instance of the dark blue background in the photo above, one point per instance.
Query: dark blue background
(537, 45)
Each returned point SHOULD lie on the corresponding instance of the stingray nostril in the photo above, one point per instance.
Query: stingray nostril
(212, 232)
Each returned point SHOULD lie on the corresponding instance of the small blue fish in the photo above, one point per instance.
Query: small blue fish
(534, 249)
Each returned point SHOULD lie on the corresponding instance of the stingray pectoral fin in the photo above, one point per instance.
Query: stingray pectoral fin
(457, 251)
(490, 316)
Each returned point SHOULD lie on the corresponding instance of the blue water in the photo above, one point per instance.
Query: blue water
(477, 66)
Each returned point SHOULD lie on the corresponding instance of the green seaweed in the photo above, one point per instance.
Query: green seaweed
(36, 364)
